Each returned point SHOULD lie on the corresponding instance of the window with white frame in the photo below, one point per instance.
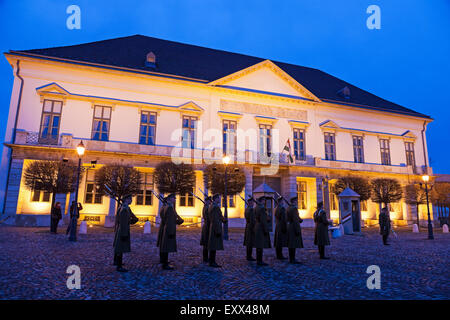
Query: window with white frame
(299, 144)
(302, 195)
(50, 121)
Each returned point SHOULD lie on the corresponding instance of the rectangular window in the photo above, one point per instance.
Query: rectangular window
(101, 123)
(358, 149)
(189, 127)
(363, 205)
(231, 201)
(229, 137)
(330, 146)
(92, 195)
(385, 152)
(410, 157)
(302, 195)
(50, 120)
(265, 139)
(333, 198)
(40, 196)
(145, 195)
(299, 144)
(147, 131)
(187, 200)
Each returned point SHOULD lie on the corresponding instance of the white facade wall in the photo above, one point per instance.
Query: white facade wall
(90, 84)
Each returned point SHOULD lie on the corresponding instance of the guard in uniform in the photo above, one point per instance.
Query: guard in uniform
(280, 237)
(321, 237)
(205, 228)
(262, 236)
(161, 224)
(215, 239)
(122, 242)
(249, 234)
(294, 230)
(169, 239)
(385, 224)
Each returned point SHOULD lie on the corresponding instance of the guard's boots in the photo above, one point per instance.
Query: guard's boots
(249, 254)
(292, 256)
(279, 251)
(259, 256)
(166, 266)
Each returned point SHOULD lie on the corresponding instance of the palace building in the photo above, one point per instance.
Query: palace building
(139, 100)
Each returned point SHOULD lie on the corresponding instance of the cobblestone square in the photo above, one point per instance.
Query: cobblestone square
(33, 265)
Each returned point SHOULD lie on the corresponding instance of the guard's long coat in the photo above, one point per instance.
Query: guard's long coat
(205, 226)
(262, 236)
(124, 218)
(385, 223)
(161, 224)
(321, 237)
(280, 238)
(249, 235)
(169, 233)
(215, 239)
(294, 229)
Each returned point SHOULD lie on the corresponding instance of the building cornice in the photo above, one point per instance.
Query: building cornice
(204, 84)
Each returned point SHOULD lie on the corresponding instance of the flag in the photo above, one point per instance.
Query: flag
(287, 148)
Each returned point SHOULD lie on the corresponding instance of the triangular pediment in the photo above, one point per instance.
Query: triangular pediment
(265, 77)
(409, 135)
(52, 88)
(329, 124)
(190, 106)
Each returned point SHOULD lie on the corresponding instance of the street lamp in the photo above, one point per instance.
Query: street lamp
(73, 227)
(226, 161)
(425, 179)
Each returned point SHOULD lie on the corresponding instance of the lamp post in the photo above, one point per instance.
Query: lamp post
(426, 178)
(73, 227)
(226, 161)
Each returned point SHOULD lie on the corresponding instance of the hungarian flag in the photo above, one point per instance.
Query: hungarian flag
(287, 148)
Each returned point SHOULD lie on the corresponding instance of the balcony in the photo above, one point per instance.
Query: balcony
(199, 156)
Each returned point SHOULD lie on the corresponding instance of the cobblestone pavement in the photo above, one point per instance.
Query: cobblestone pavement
(33, 265)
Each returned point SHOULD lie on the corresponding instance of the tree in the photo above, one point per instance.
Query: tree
(440, 197)
(118, 181)
(385, 190)
(55, 177)
(174, 178)
(358, 184)
(415, 195)
(215, 177)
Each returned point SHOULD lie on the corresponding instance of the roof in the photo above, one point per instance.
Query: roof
(263, 188)
(347, 192)
(205, 64)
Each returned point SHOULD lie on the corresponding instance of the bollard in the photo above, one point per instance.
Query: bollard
(415, 228)
(83, 228)
(147, 227)
(445, 228)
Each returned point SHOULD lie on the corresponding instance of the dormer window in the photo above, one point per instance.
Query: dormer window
(344, 93)
(150, 60)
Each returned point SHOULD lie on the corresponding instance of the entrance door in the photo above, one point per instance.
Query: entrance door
(356, 216)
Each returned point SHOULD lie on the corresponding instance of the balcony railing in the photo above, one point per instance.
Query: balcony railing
(210, 155)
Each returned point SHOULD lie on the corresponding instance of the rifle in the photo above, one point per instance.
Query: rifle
(160, 198)
(204, 193)
(243, 199)
(119, 202)
(279, 195)
(197, 197)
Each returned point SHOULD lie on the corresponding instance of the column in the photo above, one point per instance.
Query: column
(110, 218)
(13, 188)
(248, 182)
(289, 186)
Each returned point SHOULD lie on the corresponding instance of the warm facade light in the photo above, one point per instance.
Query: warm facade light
(226, 160)
(80, 148)
(425, 178)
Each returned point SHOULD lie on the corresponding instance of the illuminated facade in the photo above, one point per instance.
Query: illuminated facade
(160, 100)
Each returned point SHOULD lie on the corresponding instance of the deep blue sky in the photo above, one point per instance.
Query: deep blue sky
(406, 61)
